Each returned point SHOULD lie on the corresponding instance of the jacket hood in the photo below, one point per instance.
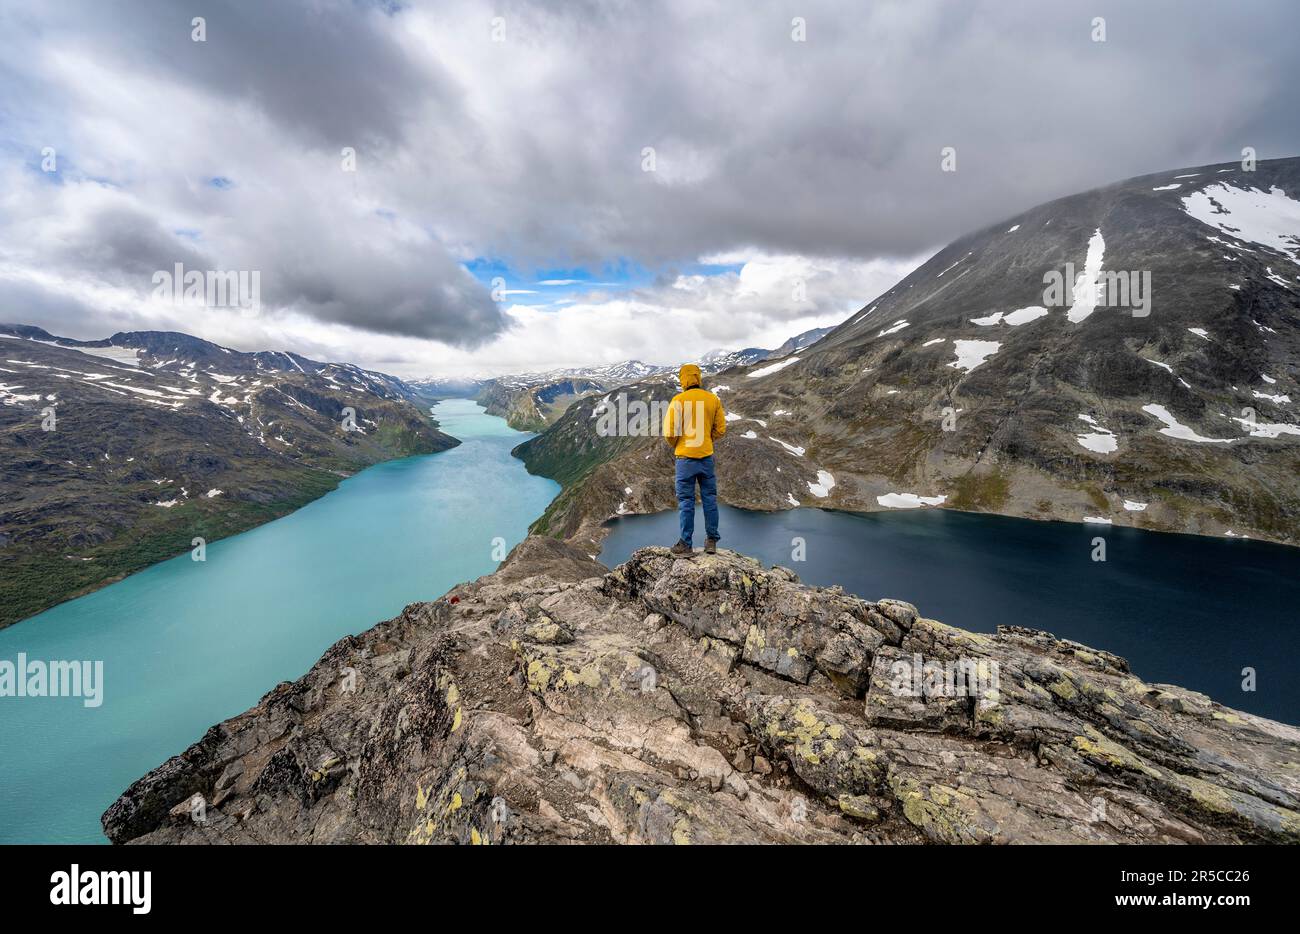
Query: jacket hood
(689, 375)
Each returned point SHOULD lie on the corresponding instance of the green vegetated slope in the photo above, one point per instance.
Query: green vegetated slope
(160, 438)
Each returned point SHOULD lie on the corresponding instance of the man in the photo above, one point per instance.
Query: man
(695, 420)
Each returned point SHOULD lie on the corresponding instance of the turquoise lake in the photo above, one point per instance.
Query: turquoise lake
(186, 644)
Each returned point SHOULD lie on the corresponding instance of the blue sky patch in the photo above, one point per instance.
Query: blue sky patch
(562, 285)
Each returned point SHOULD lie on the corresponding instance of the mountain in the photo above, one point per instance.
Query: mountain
(801, 341)
(976, 383)
(713, 701)
(613, 374)
(447, 387)
(715, 361)
(532, 407)
(156, 438)
(533, 401)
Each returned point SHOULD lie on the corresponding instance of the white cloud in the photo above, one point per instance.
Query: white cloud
(678, 320)
(529, 152)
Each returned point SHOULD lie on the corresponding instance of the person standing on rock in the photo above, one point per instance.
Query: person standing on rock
(694, 420)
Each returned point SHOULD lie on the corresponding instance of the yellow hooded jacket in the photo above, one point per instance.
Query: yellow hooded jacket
(695, 418)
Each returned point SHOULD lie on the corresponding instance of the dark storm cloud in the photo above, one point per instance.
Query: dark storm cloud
(529, 150)
(833, 144)
(328, 72)
(123, 246)
(395, 290)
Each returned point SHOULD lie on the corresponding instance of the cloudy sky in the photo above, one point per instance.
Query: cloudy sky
(552, 184)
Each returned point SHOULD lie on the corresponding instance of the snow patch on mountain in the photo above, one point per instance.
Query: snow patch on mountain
(11, 396)
(940, 275)
(1100, 441)
(1268, 218)
(822, 488)
(1175, 429)
(909, 500)
(1271, 276)
(773, 368)
(1258, 429)
(1085, 284)
(1013, 318)
(971, 354)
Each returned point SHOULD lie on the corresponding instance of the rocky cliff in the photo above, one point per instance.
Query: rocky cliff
(713, 701)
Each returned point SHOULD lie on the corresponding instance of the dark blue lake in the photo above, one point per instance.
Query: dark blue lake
(1183, 609)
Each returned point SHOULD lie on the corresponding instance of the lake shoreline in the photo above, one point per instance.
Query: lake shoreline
(1171, 604)
(185, 644)
(598, 533)
(228, 520)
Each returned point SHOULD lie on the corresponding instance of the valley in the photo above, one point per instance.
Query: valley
(120, 453)
(535, 401)
(954, 392)
(184, 643)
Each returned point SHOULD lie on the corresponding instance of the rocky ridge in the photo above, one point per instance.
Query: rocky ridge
(713, 701)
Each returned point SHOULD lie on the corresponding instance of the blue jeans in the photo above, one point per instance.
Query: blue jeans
(689, 471)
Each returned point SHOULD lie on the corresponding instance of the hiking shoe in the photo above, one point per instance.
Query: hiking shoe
(682, 550)
(711, 546)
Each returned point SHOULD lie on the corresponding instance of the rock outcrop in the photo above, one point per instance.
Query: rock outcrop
(714, 701)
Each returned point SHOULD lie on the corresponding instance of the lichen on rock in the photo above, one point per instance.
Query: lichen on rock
(713, 701)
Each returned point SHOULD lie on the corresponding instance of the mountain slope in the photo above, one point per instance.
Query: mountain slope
(713, 701)
(966, 386)
(157, 438)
